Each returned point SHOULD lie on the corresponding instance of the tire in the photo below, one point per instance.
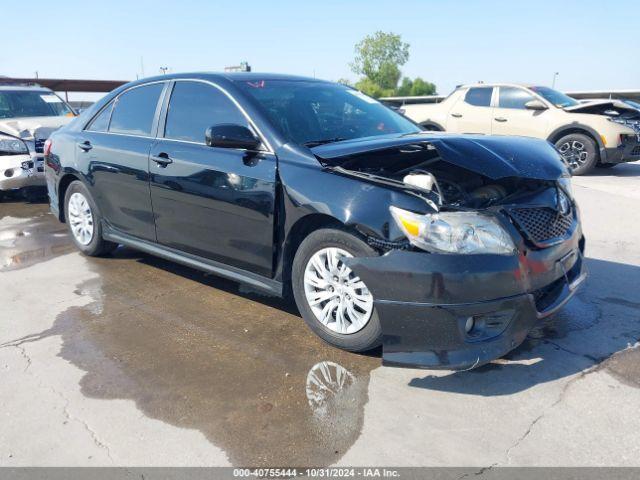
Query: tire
(359, 336)
(75, 211)
(606, 165)
(579, 151)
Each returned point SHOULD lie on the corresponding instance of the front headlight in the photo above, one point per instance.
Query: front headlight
(454, 232)
(12, 146)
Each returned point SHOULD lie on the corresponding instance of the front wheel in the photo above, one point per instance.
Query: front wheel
(334, 302)
(84, 221)
(579, 152)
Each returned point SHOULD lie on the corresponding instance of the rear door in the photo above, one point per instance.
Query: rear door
(213, 202)
(116, 146)
(472, 112)
(511, 117)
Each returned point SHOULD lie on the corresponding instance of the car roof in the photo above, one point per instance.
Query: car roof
(232, 76)
(500, 84)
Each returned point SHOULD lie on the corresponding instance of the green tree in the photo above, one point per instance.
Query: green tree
(414, 88)
(379, 58)
(372, 89)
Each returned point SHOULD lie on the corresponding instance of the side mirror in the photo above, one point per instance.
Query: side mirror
(229, 135)
(535, 105)
(612, 113)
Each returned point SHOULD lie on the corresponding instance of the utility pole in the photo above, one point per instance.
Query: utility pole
(141, 66)
(36, 72)
(555, 75)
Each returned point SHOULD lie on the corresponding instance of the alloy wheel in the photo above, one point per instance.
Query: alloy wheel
(80, 218)
(574, 153)
(338, 298)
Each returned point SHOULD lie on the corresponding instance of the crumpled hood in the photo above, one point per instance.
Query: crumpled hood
(29, 128)
(598, 107)
(492, 156)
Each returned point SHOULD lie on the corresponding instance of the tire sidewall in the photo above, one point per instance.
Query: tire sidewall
(590, 147)
(95, 246)
(367, 338)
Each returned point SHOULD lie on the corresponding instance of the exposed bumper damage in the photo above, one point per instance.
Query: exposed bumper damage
(424, 301)
(20, 171)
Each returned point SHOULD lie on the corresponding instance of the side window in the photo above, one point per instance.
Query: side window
(101, 122)
(134, 110)
(196, 106)
(511, 97)
(479, 96)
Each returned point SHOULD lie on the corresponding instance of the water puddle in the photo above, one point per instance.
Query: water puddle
(29, 234)
(193, 351)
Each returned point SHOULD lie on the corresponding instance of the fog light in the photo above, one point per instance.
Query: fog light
(8, 173)
(469, 324)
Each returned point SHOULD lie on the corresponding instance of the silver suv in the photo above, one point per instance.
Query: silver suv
(28, 115)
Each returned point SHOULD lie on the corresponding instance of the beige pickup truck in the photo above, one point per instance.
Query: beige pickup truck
(586, 134)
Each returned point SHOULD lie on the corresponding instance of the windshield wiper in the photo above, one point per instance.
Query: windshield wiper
(315, 143)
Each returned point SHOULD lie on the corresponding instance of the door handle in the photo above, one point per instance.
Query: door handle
(162, 159)
(456, 115)
(500, 119)
(85, 146)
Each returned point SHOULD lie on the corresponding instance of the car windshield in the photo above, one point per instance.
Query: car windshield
(559, 99)
(30, 103)
(311, 113)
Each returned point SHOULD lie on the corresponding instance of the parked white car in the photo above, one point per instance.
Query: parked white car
(585, 133)
(28, 115)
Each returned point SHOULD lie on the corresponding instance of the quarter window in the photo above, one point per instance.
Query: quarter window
(479, 96)
(101, 122)
(511, 97)
(196, 106)
(135, 110)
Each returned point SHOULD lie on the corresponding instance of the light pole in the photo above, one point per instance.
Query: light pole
(555, 75)
(164, 70)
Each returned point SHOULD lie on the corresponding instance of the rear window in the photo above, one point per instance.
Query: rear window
(479, 96)
(135, 110)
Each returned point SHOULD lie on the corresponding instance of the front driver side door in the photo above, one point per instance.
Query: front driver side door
(212, 202)
(511, 117)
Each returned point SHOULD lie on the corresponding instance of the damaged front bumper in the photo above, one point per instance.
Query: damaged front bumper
(461, 311)
(20, 171)
(627, 151)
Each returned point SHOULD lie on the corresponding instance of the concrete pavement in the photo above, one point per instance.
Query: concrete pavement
(131, 360)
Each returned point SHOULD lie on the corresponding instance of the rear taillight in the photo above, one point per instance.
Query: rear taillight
(47, 147)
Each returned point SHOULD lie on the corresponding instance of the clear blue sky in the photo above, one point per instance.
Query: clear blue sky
(591, 43)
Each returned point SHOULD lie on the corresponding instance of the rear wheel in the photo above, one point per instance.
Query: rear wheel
(84, 221)
(334, 302)
(579, 152)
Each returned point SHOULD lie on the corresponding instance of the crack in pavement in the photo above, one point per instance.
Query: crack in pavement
(94, 436)
(65, 410)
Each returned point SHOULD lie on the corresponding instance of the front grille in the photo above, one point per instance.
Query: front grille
(40, 145)
(542, 224)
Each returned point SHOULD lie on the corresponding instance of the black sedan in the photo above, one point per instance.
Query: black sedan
(445, 249)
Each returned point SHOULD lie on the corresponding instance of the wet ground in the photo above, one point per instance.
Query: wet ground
(133, 360)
